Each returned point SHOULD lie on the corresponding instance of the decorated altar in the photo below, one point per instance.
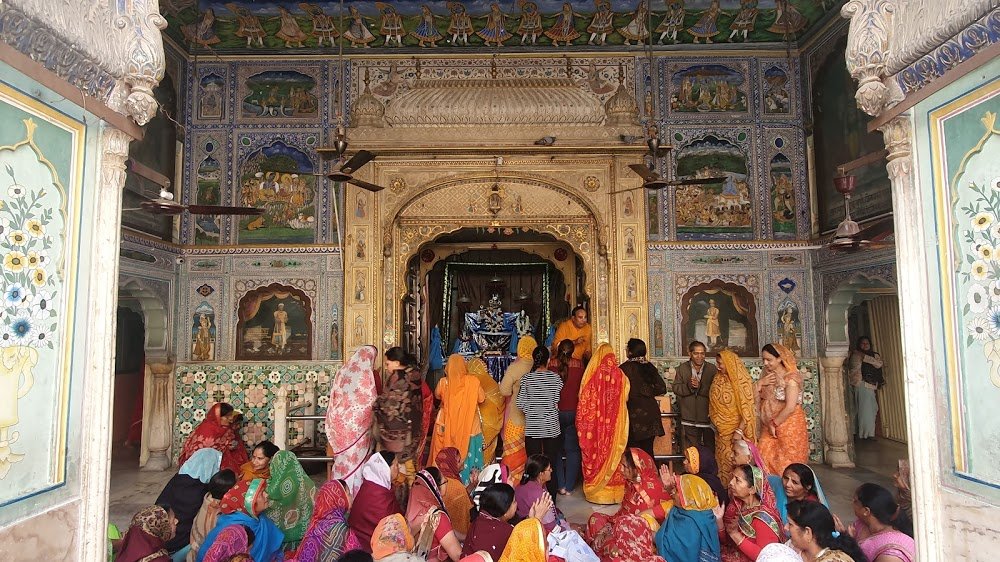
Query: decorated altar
(492, 334)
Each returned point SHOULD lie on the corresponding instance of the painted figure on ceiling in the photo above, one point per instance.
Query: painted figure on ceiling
(495, 32)
(672, 22)
(357, 32)
(390, 24)
(248, 25)
(202, 32)
(323, 26)
(460, 25)
(426, 32)
(290, 32)
(787, 19)
(563, 30)
(637, 30)
(531, 21)
(706, 26)
(745, 19)
(601, 25)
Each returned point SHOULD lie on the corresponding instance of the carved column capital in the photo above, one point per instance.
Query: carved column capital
(114, 146)
(897, 136)
(868, 50)
(144, 60)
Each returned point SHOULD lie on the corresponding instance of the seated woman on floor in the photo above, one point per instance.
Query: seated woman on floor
(689, 533)
(492, 474)
(243, 505)
(798, 482)
(291, 492)
(457, 501)
(217, 431)
(375, 499)
(185, 492)
(147, 536)
(233, 542)
(812, 532)
(328, 536)
(428, 519)
(220, 483)
(751, 520)
(259, 465)
(491, 529)
(700, 460)
(392, 541)
(537, 474)
(884, 531)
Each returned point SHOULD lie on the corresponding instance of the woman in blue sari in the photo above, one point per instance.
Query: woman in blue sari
(242, 505)
(690, 533)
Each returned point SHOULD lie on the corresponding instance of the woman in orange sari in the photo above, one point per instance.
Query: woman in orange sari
(458, 422)
(602, 424)
(784, 436)
(490, 411)
(526, 543)
(731, 409)
(515, 456)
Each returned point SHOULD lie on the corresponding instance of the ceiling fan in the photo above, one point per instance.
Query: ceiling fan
(850, 237)
(652, 180)
(165, 204)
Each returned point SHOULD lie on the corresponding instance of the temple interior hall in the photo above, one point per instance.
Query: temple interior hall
(350, 230)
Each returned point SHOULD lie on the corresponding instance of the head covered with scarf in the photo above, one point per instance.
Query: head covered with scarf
(149, 531)
(328, 535)
(202, 465)
(392, 536)
(291, 492)
(230, 542)
(350, 413)
(491, 474)
(701, 461)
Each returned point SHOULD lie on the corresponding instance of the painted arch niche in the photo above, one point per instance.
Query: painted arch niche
(721, 315)
(274, 323)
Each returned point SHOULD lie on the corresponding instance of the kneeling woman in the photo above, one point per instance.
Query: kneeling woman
(242, 505)
(375, 499)
(429, 521)
(491, 529)
(751, 520)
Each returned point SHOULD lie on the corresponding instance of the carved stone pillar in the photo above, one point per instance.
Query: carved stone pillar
(157, 414)
(99, 362)
(914, 292)
(835, 427)
(867, 50)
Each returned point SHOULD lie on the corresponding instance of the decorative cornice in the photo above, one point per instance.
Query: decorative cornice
(254, 250)
(34, 39)
(961, 47)
(759, 245)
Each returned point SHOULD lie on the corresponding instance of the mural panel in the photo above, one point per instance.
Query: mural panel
(278, 178)
(40, 149)
(210, 175)
(723, 210)
(721, 315)
(279, 94)
(203, 333)
(707, 88)
(964, 141)
(289, 26)
(782, 196)
(275, 322)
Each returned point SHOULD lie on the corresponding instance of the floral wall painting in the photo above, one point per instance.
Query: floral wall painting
(782, 196)
(720, 315)
(39, 150)
(208, 192)
(276, 178)
(776, 92)
(722, 210)
(281, 94)
(274, 324)
(203, 333)
(789, 327)
(708, 88)
(211, 97)
(964, 142)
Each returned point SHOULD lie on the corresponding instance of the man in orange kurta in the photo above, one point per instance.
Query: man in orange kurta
(579, 331)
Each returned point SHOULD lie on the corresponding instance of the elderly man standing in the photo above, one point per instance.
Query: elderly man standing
(579, 331)
(692, 382)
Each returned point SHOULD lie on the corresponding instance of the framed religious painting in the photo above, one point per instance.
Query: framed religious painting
(722, 316)
(274, 324)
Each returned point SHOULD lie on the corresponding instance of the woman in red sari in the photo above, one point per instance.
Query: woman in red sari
(645, 497)
(216, 432)
(751, 519)
(602, 424)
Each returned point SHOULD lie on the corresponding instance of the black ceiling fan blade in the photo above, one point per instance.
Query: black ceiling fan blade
(338, 177)
(162, 207)
(222, 210)
(358, 160)
(645, 173)
(697, 181)
(365, 185)
(876, 229)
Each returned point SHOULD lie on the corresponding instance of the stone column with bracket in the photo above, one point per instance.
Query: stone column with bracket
(836, 429)
(157, 414)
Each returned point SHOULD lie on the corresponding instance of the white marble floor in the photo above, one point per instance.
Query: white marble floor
(133, 489)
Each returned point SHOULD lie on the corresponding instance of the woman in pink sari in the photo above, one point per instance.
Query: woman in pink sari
(349, 416)
(882, 529)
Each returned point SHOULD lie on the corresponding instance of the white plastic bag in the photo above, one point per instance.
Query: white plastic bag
(570, 546)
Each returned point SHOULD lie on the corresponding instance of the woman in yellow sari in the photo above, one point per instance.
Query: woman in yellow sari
(602, 424)
(490, 411)
(526, 543)
(458, 422)
(731, 409)
(515, 456)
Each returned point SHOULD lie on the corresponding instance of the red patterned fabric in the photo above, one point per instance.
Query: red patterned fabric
(212, 434)
(647, 490)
